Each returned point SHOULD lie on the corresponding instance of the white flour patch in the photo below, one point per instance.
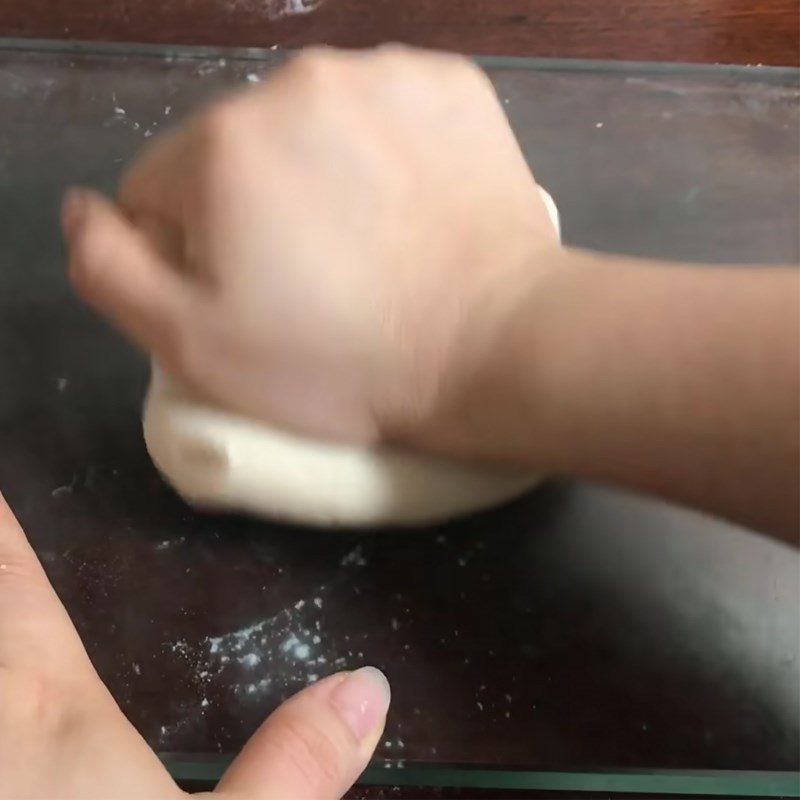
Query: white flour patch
(302, 651)
(210, 66)
(167, 543)
(277, 9)
(262, 663)
(280, 654)
(354, 558)
(66, 488)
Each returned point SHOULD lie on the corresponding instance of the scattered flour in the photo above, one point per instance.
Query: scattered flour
(268, 660)
(354, 558)
(302, 651)
(167, 543)
(277, 9)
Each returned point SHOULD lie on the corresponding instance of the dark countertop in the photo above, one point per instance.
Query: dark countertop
(579, 628)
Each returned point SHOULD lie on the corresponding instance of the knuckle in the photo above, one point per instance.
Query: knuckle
(401, 62)
(397, 51)
(221, 125)
(32, 701)
(311, 751)
(462, 68)
(432, 68)
(474, 76)
(316, 68)
(16, 571)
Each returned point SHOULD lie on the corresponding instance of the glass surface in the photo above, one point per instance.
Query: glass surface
(577, 638)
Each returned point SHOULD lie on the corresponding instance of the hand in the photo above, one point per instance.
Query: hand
(62, 735)
(335, 251)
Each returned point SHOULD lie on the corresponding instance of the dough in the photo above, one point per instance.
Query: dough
(219, 460)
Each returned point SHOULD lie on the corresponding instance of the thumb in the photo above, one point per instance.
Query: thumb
(316, 744)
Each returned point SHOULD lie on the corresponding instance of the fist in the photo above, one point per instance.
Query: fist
(334, 252)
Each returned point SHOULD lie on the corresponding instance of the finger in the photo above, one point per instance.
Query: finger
(316, 744)
(118, 271)
(35, 631)
(160, 180)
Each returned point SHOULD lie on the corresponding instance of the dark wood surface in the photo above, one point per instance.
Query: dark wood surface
(578, 628)
(710, 31)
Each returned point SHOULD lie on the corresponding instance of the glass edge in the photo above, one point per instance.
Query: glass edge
(81, 47)
(677, 782)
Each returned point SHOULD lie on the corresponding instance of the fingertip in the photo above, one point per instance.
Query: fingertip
(362, 701)
(86, 227)
(317, 743)
(72, 211)
(77, 204)
(360, 698)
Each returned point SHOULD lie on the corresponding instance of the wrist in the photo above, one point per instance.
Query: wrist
(546, 358)
(540, 380)
(501, 393)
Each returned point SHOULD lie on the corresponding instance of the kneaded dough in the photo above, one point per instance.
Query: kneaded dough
(218, 460)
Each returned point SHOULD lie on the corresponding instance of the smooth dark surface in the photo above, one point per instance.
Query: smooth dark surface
(707, 31)
(578, 628)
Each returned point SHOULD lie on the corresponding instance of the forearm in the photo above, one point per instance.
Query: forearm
(676, 380)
